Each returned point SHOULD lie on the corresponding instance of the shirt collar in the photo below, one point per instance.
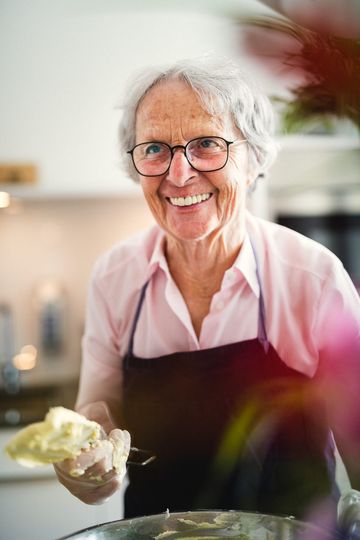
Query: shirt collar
(245, 263)
(157, 259)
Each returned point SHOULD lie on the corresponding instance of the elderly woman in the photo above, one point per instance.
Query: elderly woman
(206, 335)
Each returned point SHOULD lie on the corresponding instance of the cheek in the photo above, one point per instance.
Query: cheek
(232, 193)
(151, 194)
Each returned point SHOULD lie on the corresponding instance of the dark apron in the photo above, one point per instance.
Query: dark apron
(232, 428)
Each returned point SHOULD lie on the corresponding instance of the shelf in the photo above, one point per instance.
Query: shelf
(316, 162)
(39, 193)
(319, 142)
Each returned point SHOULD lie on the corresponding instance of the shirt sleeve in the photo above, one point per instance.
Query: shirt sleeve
(101, 369)
(338, 332)
(337, 321)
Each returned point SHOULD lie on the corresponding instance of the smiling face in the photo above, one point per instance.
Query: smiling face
(171, 112)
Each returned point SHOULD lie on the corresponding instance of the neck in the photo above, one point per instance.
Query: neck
(199, 265)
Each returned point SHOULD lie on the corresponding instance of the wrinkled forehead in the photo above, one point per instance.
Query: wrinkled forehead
(174, 104)
(169, 98)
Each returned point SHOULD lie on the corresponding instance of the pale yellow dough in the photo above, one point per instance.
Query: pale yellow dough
(62, 435)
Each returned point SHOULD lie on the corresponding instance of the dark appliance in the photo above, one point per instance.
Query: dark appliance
(338, 231)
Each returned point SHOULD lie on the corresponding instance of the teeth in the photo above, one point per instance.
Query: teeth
(188, 201)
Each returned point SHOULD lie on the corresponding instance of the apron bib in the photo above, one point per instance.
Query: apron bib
(233, 427)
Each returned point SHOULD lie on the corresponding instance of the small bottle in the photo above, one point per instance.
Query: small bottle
(9, 375)
(51, 302)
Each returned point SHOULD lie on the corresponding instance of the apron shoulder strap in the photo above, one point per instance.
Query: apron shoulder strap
(136, 318)
(262, 335)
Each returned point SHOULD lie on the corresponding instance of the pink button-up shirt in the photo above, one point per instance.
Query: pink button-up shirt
(308, 298)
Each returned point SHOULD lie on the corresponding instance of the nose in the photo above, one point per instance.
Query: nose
(180, 170)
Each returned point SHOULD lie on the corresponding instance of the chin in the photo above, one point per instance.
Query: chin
(190, 232)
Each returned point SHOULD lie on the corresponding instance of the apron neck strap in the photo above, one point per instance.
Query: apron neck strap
(136, 318)
(261, 335)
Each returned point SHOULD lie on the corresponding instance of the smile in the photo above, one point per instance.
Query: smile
(190, 200)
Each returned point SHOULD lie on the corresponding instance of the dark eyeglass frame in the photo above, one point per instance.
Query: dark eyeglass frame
(184, 147)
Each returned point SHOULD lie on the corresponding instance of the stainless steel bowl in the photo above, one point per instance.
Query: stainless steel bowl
(205, 525)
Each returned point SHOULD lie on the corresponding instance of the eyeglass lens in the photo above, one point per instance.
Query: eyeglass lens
(204, 154)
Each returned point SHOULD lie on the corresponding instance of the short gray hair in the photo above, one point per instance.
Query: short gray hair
(222, 88)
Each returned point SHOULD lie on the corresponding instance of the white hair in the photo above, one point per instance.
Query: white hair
(222, 88)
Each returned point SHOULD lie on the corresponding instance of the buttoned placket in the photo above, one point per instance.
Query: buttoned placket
(178, 306)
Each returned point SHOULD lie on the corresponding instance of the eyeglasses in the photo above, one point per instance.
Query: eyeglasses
(205, 154)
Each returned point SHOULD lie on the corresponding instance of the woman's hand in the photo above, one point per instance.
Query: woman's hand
(91, 476)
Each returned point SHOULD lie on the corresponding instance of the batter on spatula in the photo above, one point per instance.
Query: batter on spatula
(63, 434)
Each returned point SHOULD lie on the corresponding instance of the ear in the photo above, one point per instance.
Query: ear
(253, 172)
(253, 168)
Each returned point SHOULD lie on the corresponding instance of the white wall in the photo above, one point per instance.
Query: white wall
(63, 66)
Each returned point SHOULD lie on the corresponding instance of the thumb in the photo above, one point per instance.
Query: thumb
(99, 412)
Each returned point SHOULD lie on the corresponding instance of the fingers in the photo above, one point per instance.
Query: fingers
(97, 472)
(121, 437)
(101, 493)
(91, 476)
(121, 444)
(98, 457)
(90, 491)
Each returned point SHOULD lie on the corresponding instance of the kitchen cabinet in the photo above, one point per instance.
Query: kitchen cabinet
(33, 504)
(32, 401)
